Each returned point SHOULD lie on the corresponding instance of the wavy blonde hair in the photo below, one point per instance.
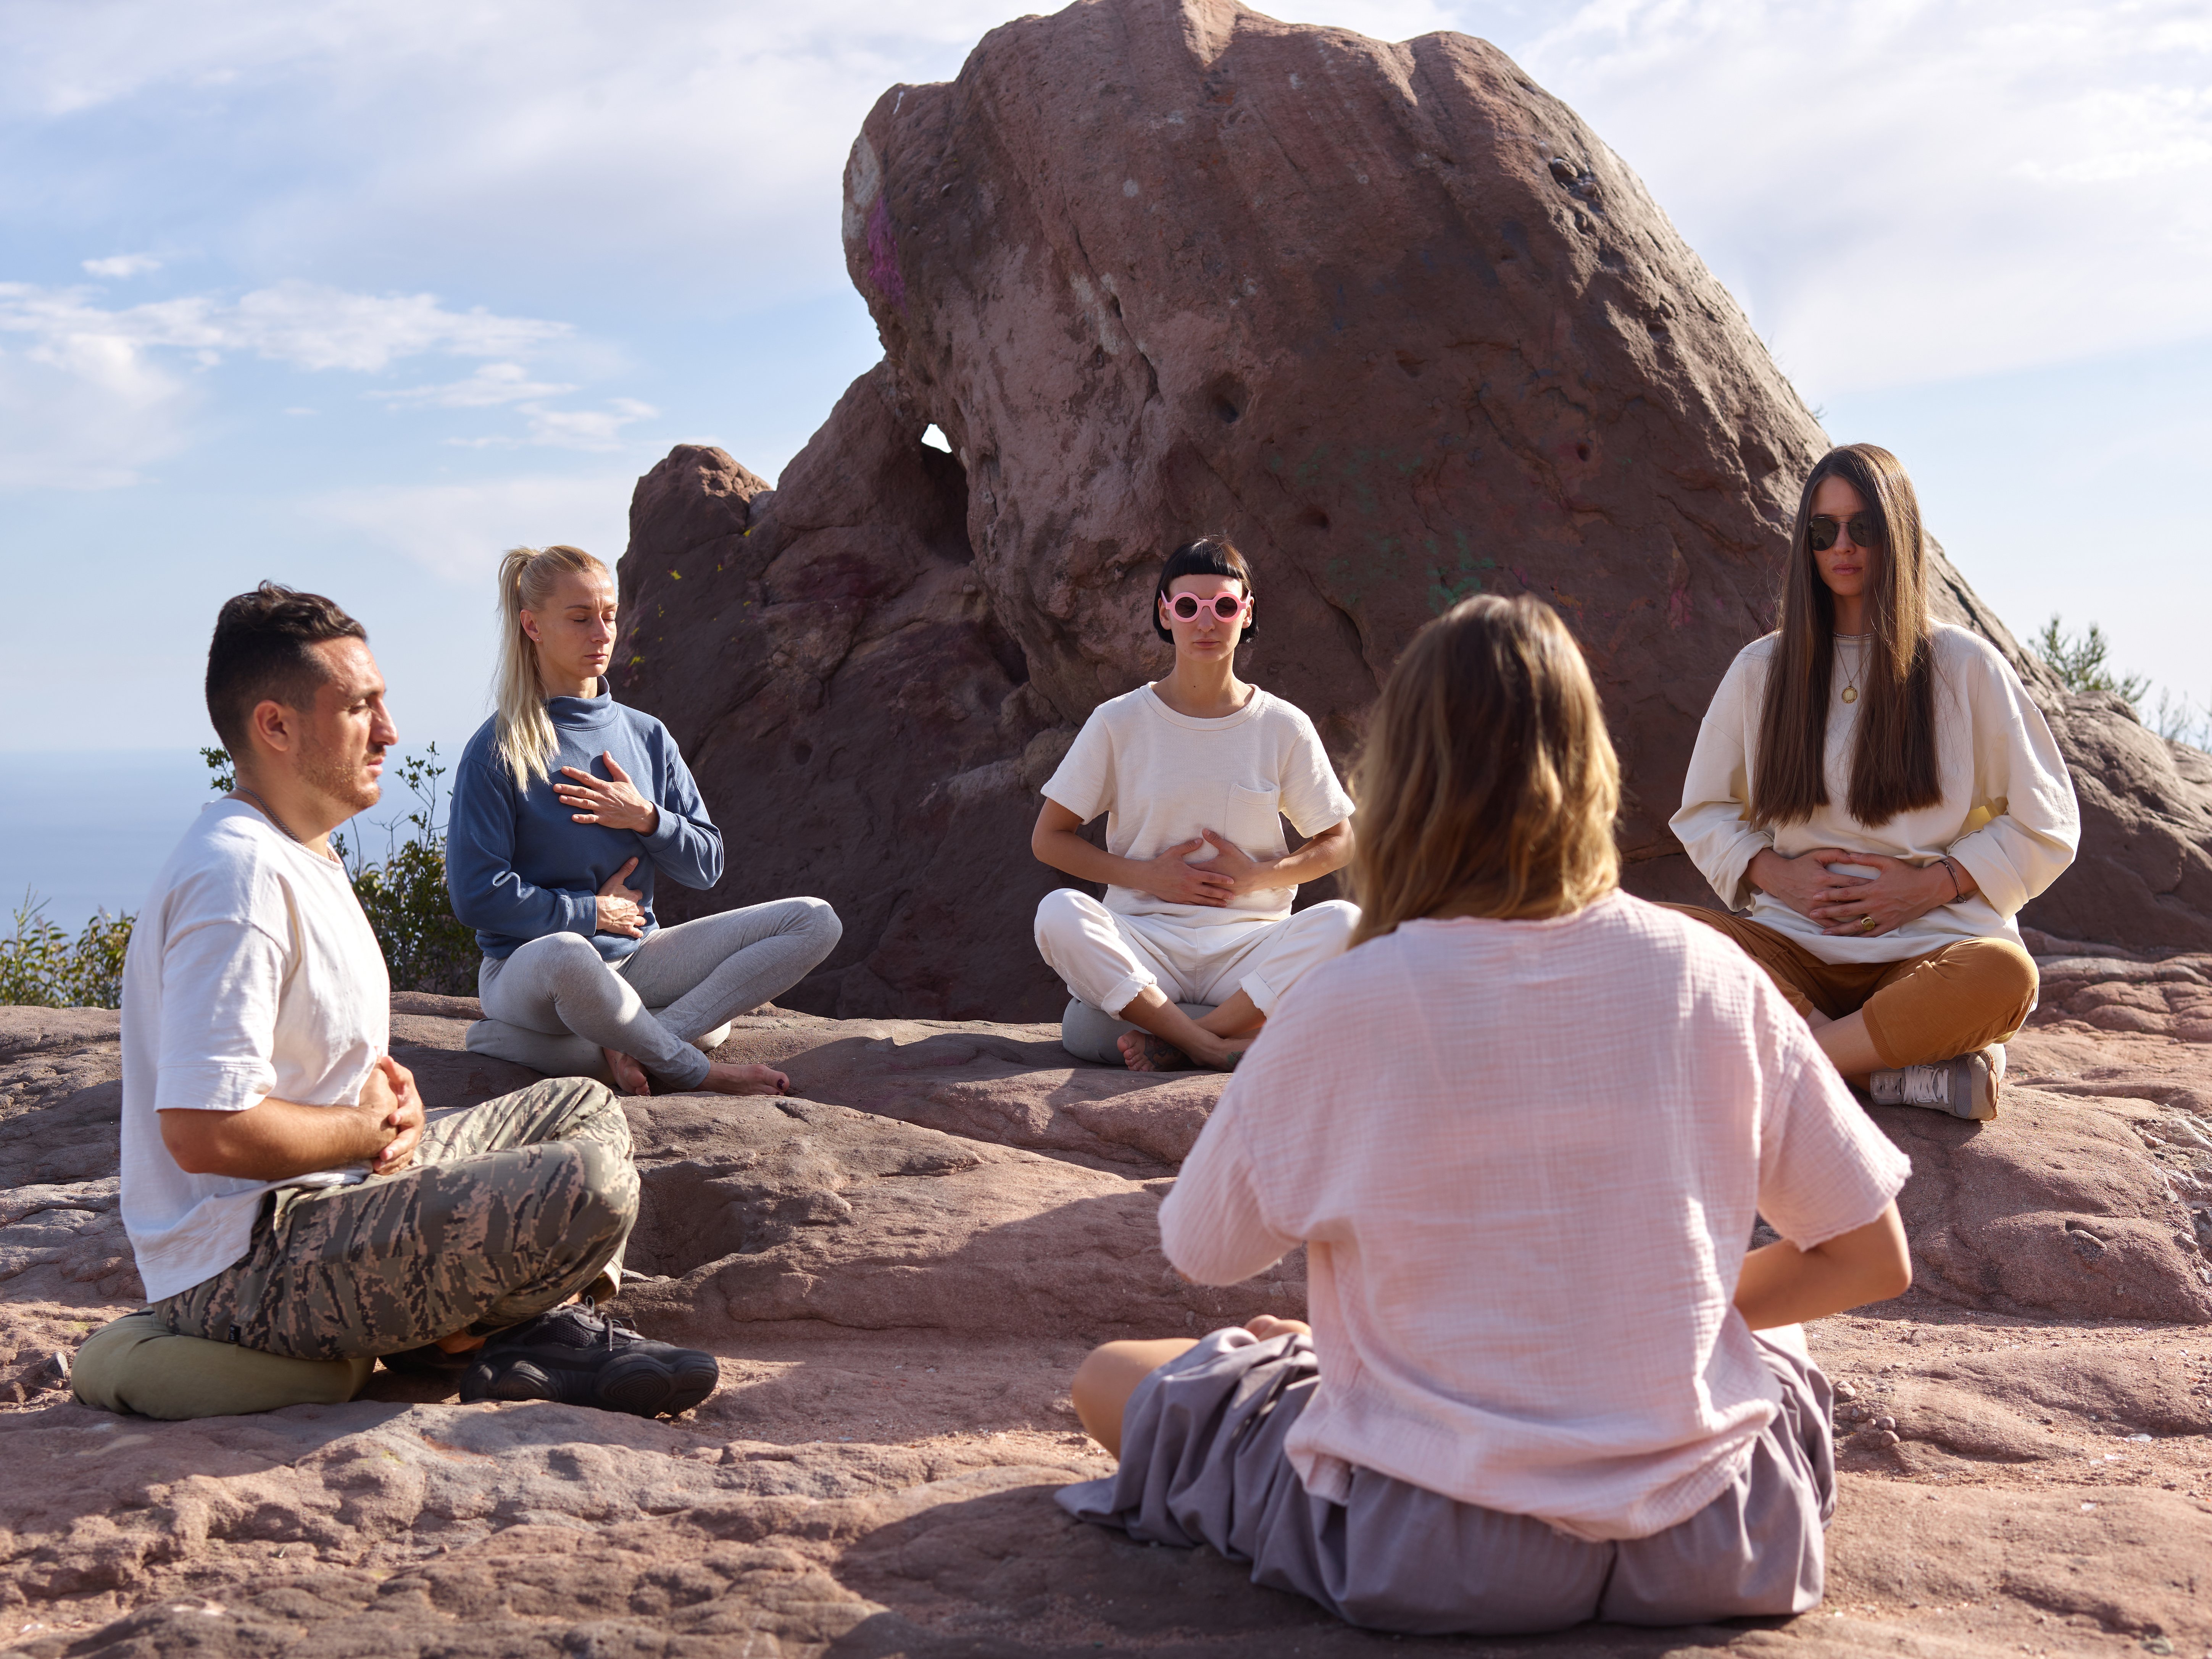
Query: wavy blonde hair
(1487, 784)
(526, 744)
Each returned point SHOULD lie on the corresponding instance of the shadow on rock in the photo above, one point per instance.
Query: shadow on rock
(1011, 1572)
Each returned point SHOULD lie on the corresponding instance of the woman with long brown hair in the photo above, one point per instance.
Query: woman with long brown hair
(1880, 795)
(1545, 1381)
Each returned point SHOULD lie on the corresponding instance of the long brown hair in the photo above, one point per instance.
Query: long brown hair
(1893, 754)
(1487, 784)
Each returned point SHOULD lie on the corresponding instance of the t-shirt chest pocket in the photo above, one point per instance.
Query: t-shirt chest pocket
(1252, 820)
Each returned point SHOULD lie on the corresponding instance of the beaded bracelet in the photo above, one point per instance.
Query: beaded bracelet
(1958, 892)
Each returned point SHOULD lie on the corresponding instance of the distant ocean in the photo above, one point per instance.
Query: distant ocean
(87, 832)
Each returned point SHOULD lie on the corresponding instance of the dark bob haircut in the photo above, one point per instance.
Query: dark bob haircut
(263, 650)
(1209, 555)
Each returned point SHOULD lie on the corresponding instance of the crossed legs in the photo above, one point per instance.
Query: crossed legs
(1875, 1015)
(648, 1013)
(1138, 966)
(510, 1208)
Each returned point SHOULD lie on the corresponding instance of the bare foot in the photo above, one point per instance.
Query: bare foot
(1143, 1052)
(745, 1080)
(629, 1075)
(1267, 1325)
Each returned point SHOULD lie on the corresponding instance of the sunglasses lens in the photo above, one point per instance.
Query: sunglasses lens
(1863, 533)
(1823, 536)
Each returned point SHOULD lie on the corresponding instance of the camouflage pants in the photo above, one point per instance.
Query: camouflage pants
(508, 1209)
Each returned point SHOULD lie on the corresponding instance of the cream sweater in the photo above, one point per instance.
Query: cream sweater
(2008, 812)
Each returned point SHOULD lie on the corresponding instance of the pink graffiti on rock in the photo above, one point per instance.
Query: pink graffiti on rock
(882, 255)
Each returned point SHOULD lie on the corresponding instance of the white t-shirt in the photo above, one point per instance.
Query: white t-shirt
(1525, 1158)
(2007, 811)
(252, 972)
(1162, 778)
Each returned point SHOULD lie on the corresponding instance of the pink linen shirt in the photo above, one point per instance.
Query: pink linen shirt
(1525, 1158)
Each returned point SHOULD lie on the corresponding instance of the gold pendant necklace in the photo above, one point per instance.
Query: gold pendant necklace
(1851, 684)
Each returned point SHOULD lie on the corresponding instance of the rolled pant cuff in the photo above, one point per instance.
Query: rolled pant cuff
(1124, 994)
(1882, 1045)
(1264, 996)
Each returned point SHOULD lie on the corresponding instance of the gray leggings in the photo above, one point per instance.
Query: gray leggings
(555, 1003)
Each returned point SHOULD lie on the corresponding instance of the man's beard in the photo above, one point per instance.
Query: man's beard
(340, 777)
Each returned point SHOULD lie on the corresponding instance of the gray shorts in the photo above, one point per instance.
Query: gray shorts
(1202, 1462)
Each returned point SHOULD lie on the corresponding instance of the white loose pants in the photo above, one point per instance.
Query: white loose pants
(1106, 958)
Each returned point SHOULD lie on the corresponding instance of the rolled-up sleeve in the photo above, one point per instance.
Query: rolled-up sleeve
(1716, 793)
(2020, 781)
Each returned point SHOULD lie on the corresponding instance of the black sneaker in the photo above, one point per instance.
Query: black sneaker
(580, 1357)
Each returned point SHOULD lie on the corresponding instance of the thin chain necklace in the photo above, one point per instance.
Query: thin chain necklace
(1851, 675)
(283, 827)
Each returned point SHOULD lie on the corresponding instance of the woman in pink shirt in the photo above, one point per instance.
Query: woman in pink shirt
(1545, 1380)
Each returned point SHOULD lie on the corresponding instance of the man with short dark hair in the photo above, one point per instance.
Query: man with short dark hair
(279, 1185)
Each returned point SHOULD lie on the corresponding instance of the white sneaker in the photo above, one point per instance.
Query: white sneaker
(1965, 1087)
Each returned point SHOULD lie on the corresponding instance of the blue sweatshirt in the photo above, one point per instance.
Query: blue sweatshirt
(517, 865)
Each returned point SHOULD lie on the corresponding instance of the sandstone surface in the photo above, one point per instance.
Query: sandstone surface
(1391, 316)
(899, 1268)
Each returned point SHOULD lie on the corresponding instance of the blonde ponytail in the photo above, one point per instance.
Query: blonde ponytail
(527, 743)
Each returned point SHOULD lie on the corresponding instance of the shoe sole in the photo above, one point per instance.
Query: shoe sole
(637, 1384)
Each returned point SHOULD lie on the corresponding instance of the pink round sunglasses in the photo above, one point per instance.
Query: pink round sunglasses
(1185, 607)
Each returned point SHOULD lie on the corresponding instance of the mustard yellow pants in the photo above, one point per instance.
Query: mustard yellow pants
(1928, 1008)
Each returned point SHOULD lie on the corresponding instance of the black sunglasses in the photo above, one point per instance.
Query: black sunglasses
(1865, 533)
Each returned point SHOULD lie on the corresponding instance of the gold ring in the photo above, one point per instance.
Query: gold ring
(1866, 923)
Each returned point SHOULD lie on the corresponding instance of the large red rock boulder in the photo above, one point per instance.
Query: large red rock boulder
(1393, 318)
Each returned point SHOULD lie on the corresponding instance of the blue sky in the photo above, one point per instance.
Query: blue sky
(355, 294)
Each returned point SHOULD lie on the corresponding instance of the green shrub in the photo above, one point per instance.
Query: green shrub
(42, 967)
(2080, 662)
(426, 947)
(403, 894)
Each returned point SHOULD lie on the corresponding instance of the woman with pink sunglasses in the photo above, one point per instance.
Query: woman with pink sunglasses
(1195, 940)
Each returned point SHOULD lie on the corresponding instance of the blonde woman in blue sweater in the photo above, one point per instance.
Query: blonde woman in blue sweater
(568, 807)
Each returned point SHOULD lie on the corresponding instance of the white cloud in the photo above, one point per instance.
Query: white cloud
(586, 428)
(306, 325)
(124, 265)
(493, 384)
(90, 398)
(85, 413)
(497, 385)
(1899, 190)
(711, 132)
(458, 531)
(1918, 190)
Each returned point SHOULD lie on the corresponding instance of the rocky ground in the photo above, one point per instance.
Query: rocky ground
(900, 1268)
